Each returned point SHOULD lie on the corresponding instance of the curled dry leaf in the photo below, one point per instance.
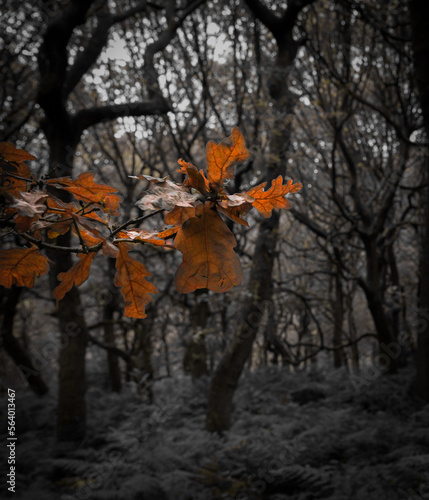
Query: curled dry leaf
(166, 195)
(30, 204)
(194, 179)
(143, 236)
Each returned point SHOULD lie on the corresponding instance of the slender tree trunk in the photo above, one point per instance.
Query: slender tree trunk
(338, 320)
(195, 359)
(375, 298)
(419, 14)
(352, 333)
(109, 309)
(142, 355)
(165, 346)
(14, 348)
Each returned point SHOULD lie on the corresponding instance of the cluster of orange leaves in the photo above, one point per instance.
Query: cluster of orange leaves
(191, 211)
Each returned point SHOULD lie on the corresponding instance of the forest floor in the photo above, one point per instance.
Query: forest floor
(301, 435)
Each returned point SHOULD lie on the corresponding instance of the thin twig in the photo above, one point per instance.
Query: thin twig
(82, 241)
(42, 244)
(135, 221)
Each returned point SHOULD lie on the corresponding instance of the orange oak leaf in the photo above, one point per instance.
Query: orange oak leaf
(209, 260)
(10, 153)
(76, 275)
(86, 189)
(273, 198)
(223, 156)
(131, 277)
(20, 266)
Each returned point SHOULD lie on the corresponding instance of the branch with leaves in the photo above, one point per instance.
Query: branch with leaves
(192, 210)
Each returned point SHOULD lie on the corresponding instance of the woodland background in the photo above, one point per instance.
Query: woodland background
(325, 345)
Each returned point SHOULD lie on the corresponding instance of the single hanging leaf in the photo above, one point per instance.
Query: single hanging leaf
(223, 156)
(209, 260)
(20, 266)
(274, 198)
(77, 275)
(9, 153)
(86, 189)
(131, 277)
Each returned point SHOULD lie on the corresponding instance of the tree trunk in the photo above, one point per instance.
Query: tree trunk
(352, 333)
(109, 309)
(142, 355)
(374, 294)
(338, 320)
(195, 359)
(71, 424)
(13, 347)
(419, 13)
